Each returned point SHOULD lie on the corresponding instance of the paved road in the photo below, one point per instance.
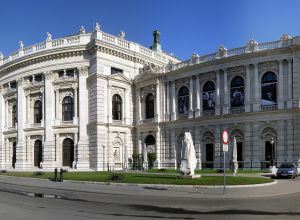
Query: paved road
(42, 199)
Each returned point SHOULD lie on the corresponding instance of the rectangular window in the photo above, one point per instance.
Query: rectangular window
(115, 70)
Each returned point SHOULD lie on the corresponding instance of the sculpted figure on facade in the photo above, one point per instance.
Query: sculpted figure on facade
(49, 37)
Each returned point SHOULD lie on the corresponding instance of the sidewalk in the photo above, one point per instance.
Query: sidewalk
(283, 186)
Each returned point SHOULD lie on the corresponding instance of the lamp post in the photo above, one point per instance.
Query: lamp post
(103, 156)
(272, 151)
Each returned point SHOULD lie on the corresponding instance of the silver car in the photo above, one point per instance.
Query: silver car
(287, 170)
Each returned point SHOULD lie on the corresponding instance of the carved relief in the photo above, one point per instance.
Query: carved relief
(34, 98)
(236, 70)
(65, 93)
(146, 90)
(268, 66)
(117, 90)
(182, 82)
(117, 148)
(83, 70)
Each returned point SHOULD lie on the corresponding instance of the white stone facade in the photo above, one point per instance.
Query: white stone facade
(91, 101)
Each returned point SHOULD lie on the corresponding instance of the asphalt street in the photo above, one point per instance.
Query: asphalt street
(42, 199)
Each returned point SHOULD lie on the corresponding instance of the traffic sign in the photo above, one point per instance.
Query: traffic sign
(225, 137)
(225, 147)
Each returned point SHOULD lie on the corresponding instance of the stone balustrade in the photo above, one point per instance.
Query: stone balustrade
(81, 40)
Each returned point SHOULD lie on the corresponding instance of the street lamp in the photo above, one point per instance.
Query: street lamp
(272, 151)
(103, 156)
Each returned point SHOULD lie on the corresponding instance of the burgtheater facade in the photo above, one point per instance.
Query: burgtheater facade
(93, 101)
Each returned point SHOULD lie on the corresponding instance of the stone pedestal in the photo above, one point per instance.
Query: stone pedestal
(189, 176)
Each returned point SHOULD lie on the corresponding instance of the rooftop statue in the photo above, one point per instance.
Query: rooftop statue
(81, 30)
(21, 45)
(49, 37)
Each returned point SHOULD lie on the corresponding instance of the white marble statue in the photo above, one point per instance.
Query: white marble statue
(188, 155)
(234, 157)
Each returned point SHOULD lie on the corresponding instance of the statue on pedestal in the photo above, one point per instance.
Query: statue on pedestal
(188, 156)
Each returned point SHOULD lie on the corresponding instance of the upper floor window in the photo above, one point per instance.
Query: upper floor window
(38, 112)
(183, 100)
(64, 73)
(269, 89)
(209, 96)
(117, 107)
(67, 108)
(115, 70)
(150, 106)
(14, 115)
(237, 92)
(13, 85)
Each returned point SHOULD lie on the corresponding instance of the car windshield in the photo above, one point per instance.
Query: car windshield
(286, 165)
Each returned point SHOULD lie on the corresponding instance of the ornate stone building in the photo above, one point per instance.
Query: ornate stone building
(93, 100)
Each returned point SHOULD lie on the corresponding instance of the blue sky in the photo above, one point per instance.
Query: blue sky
(186, 26)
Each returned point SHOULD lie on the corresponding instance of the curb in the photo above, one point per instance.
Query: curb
(155, 185)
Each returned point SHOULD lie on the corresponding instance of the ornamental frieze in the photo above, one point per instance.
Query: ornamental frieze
(63, 94)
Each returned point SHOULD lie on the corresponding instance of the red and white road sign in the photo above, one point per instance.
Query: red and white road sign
(225, 136)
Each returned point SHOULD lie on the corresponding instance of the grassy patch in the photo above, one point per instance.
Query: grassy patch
(146, 178)
(204, 171)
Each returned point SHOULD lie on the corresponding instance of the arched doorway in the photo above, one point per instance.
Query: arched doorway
(208, 140)
(68, 152)
(14, 154)
(269, 140)
(150, 147)
(38, 153)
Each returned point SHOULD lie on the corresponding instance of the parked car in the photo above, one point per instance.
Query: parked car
(287, 170)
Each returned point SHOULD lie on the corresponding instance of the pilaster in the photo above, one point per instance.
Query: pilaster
(83, 143)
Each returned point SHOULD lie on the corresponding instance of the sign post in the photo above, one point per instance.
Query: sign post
(225, 149)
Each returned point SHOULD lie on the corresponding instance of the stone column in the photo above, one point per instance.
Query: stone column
(173, 149)
(58, 151)
(7, 152)
(191, 90)
(173, 114)
(248, 90)
(56, 106)
(75, 118)
(256, 104)
(280, 86)
(168, 101)
(126, 108)
(109, 104)
(27, 110)
(43, 107)
(2, 143)
(217, 147)
(218, 111)
(198, 98)
(290, 84)
(28, 152)
(21, 147)
(49, 152)
(226, 94)
(158, 150)
(75, 151)
(6, 114)
(157, 102)
(83, 143)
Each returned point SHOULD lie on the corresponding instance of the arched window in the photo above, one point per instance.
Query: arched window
(117, 107)
(68, 152)
(183, 101)
(38, 112)
(269, 89)
(67, 108)
(209, 96)
(237, 93)
(150, 106)
(14, 115)
(150, 148)
(38, 153)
